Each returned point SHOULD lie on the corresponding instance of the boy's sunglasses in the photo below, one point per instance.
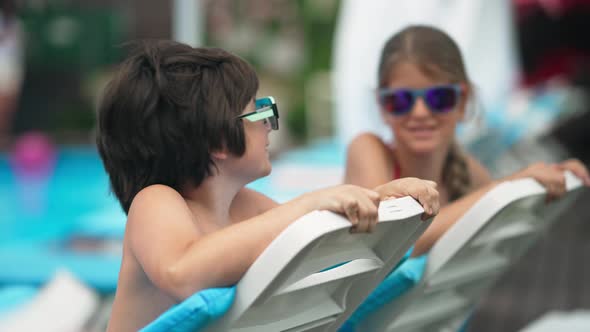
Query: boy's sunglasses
(439, 99)
(265, 109)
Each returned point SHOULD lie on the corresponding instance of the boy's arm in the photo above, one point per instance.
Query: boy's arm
(181, 260)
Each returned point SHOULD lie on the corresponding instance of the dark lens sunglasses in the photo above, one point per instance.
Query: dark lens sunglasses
(266, 109)
(439, 99)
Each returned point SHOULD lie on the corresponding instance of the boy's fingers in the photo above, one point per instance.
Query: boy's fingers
(426, 200)
(373, 195)
(369, 214)
(352, 214)
(374, 218)
(425, 216)
(372, 225)
(362, 225)
(432, 183)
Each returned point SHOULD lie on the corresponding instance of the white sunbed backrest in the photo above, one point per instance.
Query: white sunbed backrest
(292, 285)
(466, 261)
(63, 304)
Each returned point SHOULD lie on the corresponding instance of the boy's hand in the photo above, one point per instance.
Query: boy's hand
(358, 204)
(424, 191)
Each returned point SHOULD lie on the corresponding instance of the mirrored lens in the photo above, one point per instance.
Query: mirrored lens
(441, 99)
(265, 113)
(274, 123)
(398, 101)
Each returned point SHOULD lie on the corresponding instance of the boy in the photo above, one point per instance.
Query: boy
(180, 138)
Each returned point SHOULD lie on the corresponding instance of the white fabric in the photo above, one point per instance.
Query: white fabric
(63, 305)
(11, 64)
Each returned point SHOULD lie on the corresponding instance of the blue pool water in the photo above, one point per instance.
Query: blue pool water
(76, 197)
(71, 197)
(39, 218)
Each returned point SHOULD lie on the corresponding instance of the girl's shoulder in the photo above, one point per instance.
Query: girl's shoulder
(369, 144)
(367, 139)
(369, 161)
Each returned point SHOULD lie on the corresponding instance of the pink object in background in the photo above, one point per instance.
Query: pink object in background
(33, 155)
(33, 160)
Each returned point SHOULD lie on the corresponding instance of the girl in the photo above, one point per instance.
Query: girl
(423, 90)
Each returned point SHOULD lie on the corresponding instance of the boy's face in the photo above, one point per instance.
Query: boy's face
(255, 161)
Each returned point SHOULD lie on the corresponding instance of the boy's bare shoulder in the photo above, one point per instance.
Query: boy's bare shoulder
(158, 215)
(155, 203)
(157, 196)
(249, 203)
(156, 191)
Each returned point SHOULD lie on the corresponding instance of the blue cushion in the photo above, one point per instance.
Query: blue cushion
(401, 280)
(196, 312)
(12, 297)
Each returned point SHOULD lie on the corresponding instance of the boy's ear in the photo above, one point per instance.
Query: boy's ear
(219, 154)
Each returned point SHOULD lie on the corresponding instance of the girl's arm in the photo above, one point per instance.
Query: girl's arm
(369, 164)
(447, 217)
(549, 176)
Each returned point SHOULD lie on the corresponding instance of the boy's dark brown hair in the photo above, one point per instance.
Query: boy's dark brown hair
(167, 108)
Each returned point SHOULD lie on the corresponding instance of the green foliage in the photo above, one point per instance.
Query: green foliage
(296, 121)
(60, 37)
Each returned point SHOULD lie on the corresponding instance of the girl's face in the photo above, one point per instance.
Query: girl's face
(420, 130)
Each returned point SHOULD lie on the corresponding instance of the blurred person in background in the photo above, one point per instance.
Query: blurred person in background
(480, 28)
(11, 67)
(423, 90)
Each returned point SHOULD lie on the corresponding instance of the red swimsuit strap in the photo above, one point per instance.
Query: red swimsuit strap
(397, 172)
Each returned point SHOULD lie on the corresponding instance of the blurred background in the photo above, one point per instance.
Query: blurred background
(530, 61)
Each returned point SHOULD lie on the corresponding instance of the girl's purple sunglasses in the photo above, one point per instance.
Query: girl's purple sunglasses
(439, 99)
